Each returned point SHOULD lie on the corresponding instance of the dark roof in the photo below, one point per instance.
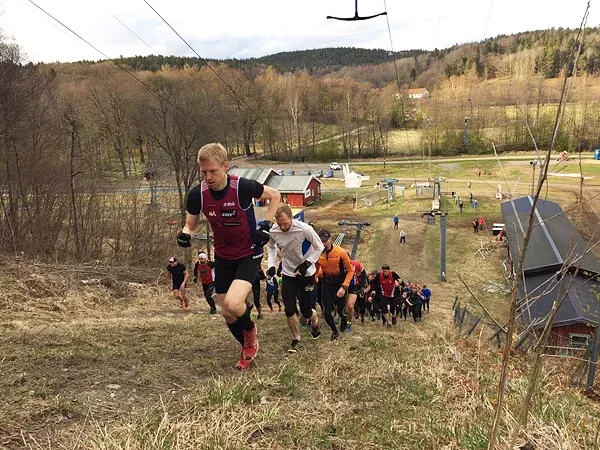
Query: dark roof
(290, 184)
(581, 304)
(553, 235)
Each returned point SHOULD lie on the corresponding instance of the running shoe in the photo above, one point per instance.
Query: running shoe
(181, 303)
(294, 347)
(335, 336)
(362, 320)
(213, 311)
(315, 333)
(373, 319)
(243, 363)
(250, 348)
(388, 325)
(394, 321)
(349, 328)
(259, 316)
(186, 307)
(343, 325)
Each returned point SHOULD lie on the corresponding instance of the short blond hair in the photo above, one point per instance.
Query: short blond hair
(284, 209)
(212, 152)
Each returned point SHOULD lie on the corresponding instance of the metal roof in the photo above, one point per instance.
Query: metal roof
(553, 241)
(290, 184)
(253, 173)
(581, 304)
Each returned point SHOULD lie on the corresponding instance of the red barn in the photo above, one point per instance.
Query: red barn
(296, 190)
(554, 244)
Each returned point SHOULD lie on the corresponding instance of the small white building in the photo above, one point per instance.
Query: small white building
(414, 93)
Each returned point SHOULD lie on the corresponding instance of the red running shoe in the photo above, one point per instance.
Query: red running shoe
(250, 348)
(243, 363)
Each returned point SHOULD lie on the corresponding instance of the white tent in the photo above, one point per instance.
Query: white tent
(351, 179)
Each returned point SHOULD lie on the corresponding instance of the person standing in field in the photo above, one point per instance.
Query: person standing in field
(426, 293)
(178, 276)
(475, 224)
(396, 220)
(300, 248)
(403, 237)
(227, 203)
(204, 269)
(337, 272)
(460, 206)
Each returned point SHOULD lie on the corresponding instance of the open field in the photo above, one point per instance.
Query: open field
(114, 364)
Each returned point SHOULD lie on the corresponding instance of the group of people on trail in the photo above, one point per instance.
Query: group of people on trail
(312, 270)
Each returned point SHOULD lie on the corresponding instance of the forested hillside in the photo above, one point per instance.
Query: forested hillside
(542, 52)
(69, 131)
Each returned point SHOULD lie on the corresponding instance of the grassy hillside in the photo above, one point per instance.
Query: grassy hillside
(111, 364)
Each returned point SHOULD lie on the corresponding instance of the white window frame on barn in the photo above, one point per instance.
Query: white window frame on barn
(580, 341)
(306, 193)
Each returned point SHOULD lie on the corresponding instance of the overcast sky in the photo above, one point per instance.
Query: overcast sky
(252, 28)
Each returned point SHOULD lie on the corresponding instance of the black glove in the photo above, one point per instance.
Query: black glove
(271, 271)
(262, 235)
(279, 271)
(302, 268)
(184, 240)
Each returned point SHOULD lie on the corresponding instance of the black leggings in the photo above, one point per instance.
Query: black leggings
(426, 304)
(256, 294)
(208, 290)
(331, 300)
(275, 296)
(362, 305)
(416, 311)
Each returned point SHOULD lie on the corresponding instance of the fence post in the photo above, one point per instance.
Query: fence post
(474, 325)
(462, 318)
(456, 312)
(594, 359)
(455, 302)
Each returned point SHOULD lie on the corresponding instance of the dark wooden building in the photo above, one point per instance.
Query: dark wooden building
(554, 243)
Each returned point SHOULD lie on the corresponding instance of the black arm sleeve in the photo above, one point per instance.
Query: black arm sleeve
(194, 201)
(249, 189)
(395, 276)
(211, 264)
(196, 269)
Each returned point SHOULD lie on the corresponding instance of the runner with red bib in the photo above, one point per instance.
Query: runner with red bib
(204, 268)
(388, 282)
(227, 202)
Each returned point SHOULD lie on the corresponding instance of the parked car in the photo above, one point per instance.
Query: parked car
(306, 172)
(334, 166)
(279, 172)
(319, 173)
(328, 174)
(290, 172)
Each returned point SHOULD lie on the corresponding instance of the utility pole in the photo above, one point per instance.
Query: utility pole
(443, 246)
(533, 164)
(465, 135)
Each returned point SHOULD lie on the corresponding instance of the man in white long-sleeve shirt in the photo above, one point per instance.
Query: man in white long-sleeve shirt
(300, 247)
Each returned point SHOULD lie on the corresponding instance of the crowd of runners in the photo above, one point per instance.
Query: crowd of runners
(305, 271)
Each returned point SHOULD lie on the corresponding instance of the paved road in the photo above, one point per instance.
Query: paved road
(299, 167)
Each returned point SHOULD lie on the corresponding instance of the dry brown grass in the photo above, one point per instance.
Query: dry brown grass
(416, 386)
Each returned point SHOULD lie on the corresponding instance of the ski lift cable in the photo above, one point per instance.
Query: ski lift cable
(400, 95)
(356, 16)
(241, 100)
(132, 75)
(134, 33)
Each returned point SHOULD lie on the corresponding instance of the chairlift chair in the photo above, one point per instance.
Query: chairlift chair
(356, 16)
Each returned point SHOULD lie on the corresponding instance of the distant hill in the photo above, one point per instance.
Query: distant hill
(540, 52)
(320, 60)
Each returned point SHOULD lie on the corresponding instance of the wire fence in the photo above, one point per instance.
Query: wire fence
(582, 354)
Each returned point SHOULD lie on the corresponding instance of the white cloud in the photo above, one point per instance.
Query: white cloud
(251, 28)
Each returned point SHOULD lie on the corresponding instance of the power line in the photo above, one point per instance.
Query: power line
(241, 100)
(134, 33)
(149, 88)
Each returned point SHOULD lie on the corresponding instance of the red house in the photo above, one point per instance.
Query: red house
(296, 190)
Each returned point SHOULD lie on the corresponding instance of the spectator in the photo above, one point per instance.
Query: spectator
(460, 206)
(475, 204)
(403, 237)
(475, 226)
(396, 222)
(481, 223)
(469, 184)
